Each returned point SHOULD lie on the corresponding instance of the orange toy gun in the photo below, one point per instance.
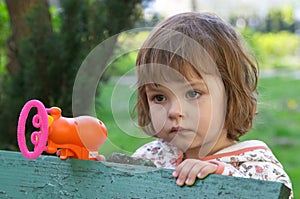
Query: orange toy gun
(78, 137)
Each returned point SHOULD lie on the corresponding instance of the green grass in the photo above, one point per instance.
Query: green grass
(277, 124)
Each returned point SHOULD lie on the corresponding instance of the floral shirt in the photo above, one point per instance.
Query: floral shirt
(248, 159)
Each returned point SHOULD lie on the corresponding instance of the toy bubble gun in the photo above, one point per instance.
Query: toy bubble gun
(78, 137)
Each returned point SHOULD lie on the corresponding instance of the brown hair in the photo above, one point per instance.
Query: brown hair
(219, 44)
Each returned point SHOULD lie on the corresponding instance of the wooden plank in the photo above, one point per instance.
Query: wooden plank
(50, 177)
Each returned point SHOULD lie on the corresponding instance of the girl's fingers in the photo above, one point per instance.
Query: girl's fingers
(183, 172)
(207, 169)
(189, 170)
(178, 169)
(195, 170)
(100, 158)
(58, 152)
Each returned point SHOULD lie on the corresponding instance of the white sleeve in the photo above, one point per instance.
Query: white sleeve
(263, 167)
(162, 154)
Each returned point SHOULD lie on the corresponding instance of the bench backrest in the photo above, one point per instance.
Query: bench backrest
(50, 177)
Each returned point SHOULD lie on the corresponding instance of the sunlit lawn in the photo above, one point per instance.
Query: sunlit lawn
(277, 124)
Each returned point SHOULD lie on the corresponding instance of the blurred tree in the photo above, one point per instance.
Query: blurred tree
(11, 84)
(280, 19)
(276, 20)
(20, 28)
(43, 60)
(4, 32)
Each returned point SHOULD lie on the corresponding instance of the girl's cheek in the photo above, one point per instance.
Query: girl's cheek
(158, 116)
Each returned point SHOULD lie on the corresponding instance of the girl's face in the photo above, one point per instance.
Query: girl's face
(189, 114)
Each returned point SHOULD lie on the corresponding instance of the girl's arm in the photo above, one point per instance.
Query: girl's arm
(260, 170)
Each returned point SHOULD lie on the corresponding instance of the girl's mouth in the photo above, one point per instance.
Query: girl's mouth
(177, 129)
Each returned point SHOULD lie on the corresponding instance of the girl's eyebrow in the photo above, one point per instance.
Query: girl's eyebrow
(153, 87)
(197, 83)
(191, 83)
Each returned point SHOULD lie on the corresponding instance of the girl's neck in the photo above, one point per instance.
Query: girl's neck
(194, 153)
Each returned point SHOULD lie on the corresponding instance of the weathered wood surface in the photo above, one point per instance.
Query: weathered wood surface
(50, 177)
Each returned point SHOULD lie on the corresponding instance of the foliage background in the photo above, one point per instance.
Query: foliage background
(51, 52)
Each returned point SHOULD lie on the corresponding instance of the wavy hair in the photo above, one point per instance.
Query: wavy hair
(219, 41)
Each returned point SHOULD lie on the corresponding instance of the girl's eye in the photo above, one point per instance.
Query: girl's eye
(159, 98)
(192, 94)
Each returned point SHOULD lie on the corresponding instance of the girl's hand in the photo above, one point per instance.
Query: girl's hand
(190, 169)
(100, 158)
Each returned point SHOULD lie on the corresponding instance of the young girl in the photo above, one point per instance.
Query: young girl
(197, 96)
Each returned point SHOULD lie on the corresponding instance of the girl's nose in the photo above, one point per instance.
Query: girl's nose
(175, 110)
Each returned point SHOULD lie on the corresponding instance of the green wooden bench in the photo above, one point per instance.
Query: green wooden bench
(50, 177)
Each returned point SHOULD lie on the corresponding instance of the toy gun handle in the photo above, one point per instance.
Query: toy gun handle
(39, 121)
